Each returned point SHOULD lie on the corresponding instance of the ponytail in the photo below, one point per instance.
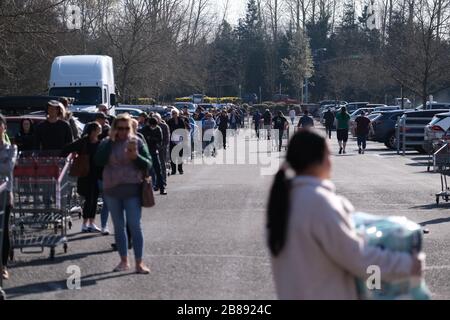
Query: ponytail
(298, 160)
(278, 212)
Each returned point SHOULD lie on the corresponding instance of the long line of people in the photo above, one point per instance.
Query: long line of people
(120, 152)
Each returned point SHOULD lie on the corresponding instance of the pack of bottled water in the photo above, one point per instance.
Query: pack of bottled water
(396, 234)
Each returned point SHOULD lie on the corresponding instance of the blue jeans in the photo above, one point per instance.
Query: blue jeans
(105, 211)
(127, 212)
(362, 140)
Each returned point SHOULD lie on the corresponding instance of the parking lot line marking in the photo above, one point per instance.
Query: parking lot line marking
(437, 267)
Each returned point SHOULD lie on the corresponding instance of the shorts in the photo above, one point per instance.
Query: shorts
(342, 135)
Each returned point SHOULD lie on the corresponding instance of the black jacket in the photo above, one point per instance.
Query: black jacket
(83, 146)
(182, 124)
(222, 122)
(153, 137)
(24, 142)
(329, 118)
(52, 136)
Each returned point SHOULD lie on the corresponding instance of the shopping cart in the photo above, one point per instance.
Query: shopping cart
(430, 148)
(75, 201)
(42, 202)
(3, 226)
(441, 163)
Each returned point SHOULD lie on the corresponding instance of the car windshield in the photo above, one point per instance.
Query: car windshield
(83, 95)
(131, 112)
(374, 116)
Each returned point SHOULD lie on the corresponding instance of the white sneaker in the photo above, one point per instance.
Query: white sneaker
(105, 231)
(84, 228)
(93, 228)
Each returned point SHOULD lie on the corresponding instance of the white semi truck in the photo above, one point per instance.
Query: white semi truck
(89, 79)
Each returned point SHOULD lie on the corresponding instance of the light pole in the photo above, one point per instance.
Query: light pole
(260, 95)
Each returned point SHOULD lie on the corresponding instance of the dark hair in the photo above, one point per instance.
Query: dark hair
(144, 115)
(91, 127)
(64, 101)
(343, 110)
(306, 112)
(307, 148)
(100, 115)
(31, 126)
(152, 122)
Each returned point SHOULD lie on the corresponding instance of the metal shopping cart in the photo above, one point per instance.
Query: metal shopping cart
(75, 201)
(42, 202)
(441, 163)
(3, 226)
(430, 148)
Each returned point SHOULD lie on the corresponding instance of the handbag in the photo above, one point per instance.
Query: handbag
(148, 198)
(80, 166)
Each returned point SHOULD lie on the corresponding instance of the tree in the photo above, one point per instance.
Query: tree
(416, 55)
(252, 47)
(299, 65)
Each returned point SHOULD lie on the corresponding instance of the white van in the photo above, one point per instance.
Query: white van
(89, 79)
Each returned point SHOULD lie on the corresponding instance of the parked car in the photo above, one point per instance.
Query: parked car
(208, 106)
(415, 134)
(376, 105)
(386, 108)
(21, 105)
(383, 124)
(353, 106)
(332, 102)
(406, 103)
(434, 105)
(84, 117)
(438, 128)
(356, 114)
(135, 113)
(190, 106)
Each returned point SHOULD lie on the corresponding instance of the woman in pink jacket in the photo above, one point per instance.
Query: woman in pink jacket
(316, 252)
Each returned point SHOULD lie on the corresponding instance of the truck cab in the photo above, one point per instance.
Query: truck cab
(89, 79)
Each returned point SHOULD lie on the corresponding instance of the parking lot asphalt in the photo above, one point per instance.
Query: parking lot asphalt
(206, 238)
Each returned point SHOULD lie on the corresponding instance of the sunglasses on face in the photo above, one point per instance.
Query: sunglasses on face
(123, 129)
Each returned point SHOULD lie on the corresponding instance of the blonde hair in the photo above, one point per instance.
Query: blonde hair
(134, 125)
(122, 117)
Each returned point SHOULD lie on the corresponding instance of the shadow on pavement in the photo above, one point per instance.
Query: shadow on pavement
(82, 236)
(418, 164)
(58, 259)
(422, 158)
(52, 286)
(435, 221)
(425, 207)
(394, 153)
(376, 149)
